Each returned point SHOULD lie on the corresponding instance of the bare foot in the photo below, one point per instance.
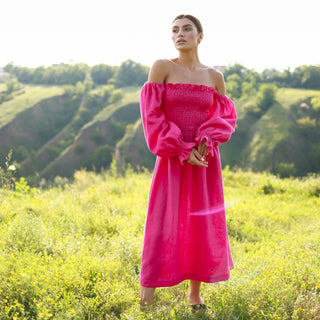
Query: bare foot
(146, 297)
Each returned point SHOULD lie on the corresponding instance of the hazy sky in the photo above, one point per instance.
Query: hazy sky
(256, 33)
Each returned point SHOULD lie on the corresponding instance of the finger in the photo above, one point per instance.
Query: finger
(200, 149)
(198, 155)
(204, 150)
(194, 161)
(199, 160)
(201, 163)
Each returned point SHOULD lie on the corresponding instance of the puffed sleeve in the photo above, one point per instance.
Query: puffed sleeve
(164, 138)
(221, 123)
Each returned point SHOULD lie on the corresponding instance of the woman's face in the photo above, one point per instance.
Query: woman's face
(185, 34)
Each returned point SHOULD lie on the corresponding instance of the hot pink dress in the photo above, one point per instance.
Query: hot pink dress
(185, 234)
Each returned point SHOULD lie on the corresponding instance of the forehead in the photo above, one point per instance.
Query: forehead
(183, 22)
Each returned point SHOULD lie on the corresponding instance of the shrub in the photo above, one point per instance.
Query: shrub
(7, 180)
(97, 136)
(266, 96)
(251, 108)
(314, 190)
(268, 188)
(285, 170)
(100, 158)
(79, 149)
(117, 95)
(315, 102)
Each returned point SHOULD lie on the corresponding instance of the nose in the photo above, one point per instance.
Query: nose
(180, 33)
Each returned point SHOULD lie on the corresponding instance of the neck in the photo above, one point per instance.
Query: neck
(189, 59)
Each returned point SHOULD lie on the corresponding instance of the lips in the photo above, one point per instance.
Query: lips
(181, 41)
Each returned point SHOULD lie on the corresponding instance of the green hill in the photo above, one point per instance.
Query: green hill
(61, 133)
(54, 131)
(276, 141)
(27, 97)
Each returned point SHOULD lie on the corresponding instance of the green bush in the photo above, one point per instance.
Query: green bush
(79, 149)
(99, 159)
(266, 96)
(116, 96)
(285, 170)
(251, 108)
(7, 179)
(97, 136)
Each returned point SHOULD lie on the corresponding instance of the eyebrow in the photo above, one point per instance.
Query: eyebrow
(186, 25)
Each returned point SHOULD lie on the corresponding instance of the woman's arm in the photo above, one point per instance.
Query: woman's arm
(164, 138)
(220, 124)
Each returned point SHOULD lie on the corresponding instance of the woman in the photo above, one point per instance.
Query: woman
(185, 116)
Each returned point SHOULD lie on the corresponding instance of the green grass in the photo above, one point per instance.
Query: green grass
(131, 95)
(290, 96)
(29, 96)
(3, 87)
(73, 252)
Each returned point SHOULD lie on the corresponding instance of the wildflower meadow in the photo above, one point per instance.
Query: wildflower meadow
(72, 250)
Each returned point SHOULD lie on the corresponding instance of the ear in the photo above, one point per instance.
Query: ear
(200, 37)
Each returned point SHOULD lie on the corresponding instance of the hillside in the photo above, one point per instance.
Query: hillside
(62, 133)
(27, 97)
(277, 141)
(257, 143)
(55, 131)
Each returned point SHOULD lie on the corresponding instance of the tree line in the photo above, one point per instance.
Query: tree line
(241, 80)
(129, 73)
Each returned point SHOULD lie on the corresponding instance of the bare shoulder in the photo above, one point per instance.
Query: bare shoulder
(215, 74)
(159, 71)
(217, 79)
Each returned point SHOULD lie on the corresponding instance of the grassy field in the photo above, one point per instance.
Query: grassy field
(287, 96)
(73, 251)
(28, 97)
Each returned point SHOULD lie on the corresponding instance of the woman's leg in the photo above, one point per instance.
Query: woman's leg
(146, 296)
(194, 295)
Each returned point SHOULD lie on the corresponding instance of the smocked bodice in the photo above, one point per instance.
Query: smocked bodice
(187, 105)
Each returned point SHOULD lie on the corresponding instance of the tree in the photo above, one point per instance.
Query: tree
(233, 84)
(131, 73)
(237, 68)
(102, 73)
(311, 77)
(25, 75)
(266, 96)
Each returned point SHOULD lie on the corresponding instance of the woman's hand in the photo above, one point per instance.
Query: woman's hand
(197, 159)
(202, 148)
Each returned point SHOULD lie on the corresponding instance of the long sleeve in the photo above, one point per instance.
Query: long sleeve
(164, 138)
(221, 123)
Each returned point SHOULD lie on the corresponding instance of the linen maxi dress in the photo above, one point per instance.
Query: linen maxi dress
(185, 233)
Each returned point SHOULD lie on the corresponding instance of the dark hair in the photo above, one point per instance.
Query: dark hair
(196, 21)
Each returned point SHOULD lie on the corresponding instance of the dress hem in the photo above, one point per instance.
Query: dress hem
(158, 284)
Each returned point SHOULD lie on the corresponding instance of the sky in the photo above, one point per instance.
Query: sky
(258, 34)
